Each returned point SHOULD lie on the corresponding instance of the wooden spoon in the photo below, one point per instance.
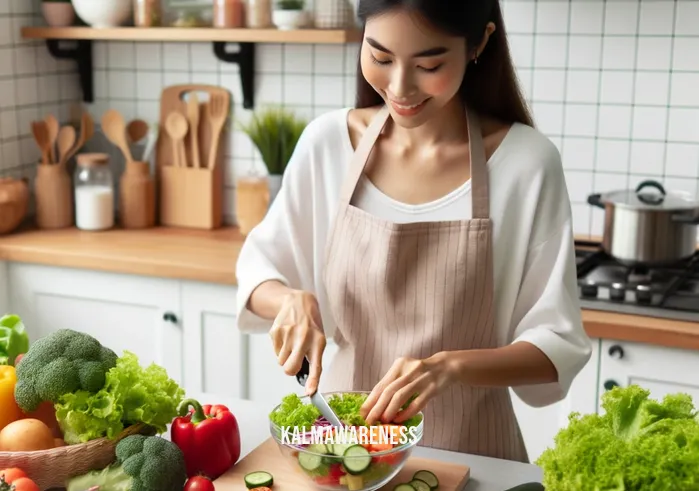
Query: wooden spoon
(193, 116)
(52, 127)
(114, 127)
(176, 126)
(41, 135)
(66, 142)
(137, 130)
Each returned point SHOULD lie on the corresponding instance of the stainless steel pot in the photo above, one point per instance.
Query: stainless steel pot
(654, 227)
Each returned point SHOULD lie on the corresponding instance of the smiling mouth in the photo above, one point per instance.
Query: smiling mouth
(408, 107)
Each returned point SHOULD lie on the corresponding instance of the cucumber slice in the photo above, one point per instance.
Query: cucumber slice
(339, 448)
(356, 459)
(420, 485)
(258, 479)
(427, 477)
(310, 462)
(404, 487)
(319, 448)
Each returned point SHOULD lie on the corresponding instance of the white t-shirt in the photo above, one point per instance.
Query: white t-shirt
(535, 281)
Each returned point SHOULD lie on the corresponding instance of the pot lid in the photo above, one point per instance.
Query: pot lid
(651, 195)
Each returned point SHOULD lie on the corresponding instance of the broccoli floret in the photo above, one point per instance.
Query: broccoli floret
(62, 362)
(143, 463)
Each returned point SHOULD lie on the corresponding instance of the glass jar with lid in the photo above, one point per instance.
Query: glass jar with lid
(94, 192)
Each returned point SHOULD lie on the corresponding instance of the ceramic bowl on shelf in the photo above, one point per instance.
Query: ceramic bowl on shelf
(58, 14)
(104, 13)
(286, 20)
(349, 462)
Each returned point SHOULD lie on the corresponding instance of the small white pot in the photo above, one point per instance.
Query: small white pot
(104, 13)
(58, 14)
(286, 20)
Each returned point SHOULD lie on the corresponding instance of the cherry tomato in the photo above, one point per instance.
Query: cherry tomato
(199, 483)
(11, 474)
(24, 484)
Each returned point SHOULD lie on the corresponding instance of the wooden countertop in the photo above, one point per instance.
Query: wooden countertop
(210, 256)
(198, 255)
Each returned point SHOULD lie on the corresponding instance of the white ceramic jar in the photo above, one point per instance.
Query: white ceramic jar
(94, 192)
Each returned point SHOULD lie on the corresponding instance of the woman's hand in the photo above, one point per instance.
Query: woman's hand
(297, 332)
(408, 378)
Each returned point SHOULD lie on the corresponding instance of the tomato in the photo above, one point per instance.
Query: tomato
(13, 473)
(24, 484)
(18, 358)
(198, 483)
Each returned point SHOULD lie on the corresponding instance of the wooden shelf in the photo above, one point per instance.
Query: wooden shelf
(245, 38)
(198, 34)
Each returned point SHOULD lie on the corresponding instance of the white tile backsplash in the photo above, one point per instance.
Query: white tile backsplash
(31, 82)
(611, 82)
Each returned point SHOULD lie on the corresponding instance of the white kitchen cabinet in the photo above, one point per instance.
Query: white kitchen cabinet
(657, 368)
(125, 312)
(4, 289)
(215, 353)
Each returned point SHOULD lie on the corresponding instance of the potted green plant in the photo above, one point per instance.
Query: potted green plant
(58, 13)
(289, 14)
(275, 131)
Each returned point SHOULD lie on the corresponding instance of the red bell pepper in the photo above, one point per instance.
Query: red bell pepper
(208, 436)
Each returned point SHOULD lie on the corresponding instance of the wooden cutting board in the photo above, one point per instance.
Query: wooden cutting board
(268, 457)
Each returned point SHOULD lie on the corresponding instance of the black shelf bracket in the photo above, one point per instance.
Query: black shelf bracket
(245, 58)
(82, 54)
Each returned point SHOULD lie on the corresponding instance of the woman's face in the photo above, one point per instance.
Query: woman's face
(416, 69)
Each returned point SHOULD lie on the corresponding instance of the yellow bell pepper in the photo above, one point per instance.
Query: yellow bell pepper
(9, 410)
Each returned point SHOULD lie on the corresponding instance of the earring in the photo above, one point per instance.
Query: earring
(475, 59)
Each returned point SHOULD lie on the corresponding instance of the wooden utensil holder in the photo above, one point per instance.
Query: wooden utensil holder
(188, 196)
(53, 191)
(136, 196)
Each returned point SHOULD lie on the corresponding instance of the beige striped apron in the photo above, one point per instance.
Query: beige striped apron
(413, 290)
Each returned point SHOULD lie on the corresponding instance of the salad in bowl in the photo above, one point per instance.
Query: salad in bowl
(357, 457)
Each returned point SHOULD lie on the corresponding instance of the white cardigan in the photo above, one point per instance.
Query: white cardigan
(536, 291)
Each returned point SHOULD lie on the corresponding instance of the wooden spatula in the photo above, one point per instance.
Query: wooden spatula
(52, 126)
(41, 135)
(193, 117)
(114, 127)
(218, 112)
(66, 142)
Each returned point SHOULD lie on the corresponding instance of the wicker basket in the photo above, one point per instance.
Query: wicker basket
(52, 468)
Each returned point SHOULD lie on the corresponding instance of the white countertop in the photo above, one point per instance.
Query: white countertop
(487, 474)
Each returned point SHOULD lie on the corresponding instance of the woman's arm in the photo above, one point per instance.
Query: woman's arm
(266, 300)
(510, 366)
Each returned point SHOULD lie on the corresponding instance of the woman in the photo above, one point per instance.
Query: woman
(382, 238)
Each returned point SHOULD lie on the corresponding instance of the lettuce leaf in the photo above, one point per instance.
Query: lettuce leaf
(14, 339)
(131, 394)
(292, 412)
(637, 444)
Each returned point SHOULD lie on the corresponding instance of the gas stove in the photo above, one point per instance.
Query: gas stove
(670, 292)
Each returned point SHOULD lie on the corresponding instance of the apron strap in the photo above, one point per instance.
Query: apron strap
(479, 167)
(361, 154)
(480, 198)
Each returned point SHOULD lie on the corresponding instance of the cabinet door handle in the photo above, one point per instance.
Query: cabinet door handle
(170, 317)
(616, 351)
(610, 384)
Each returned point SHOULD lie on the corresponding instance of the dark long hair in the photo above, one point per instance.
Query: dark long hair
(490, 86)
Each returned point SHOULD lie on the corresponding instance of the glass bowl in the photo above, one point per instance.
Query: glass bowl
(355, 460)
